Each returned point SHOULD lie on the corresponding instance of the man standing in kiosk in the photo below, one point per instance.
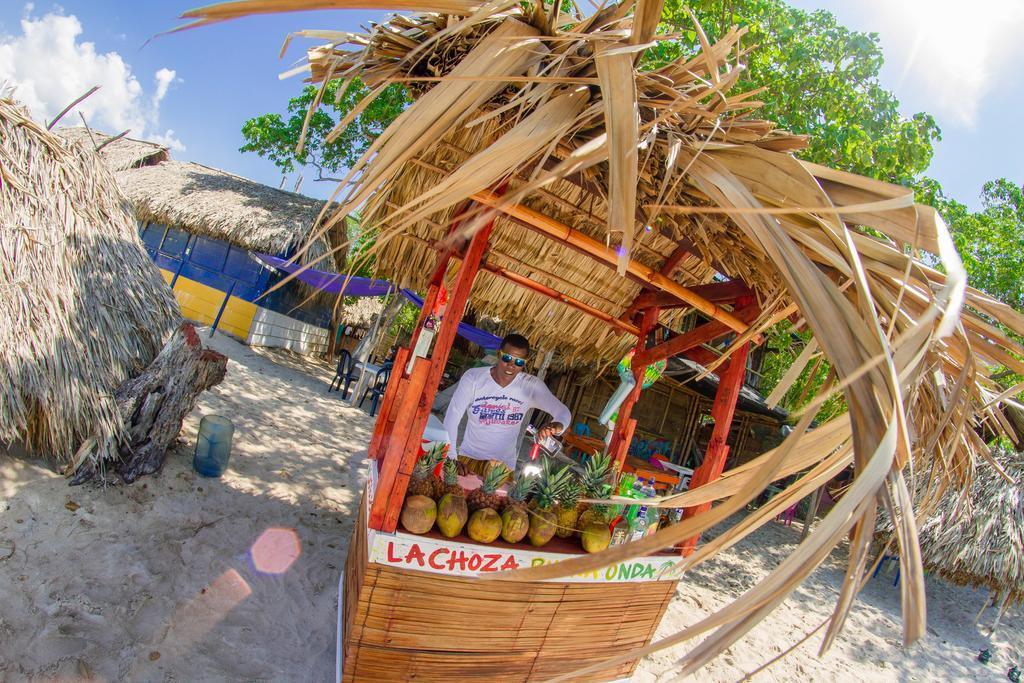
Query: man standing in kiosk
(496, 400)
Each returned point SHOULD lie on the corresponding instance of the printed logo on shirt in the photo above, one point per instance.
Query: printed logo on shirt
(497, 410)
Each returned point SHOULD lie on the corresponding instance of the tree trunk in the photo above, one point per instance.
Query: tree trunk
(154, 404)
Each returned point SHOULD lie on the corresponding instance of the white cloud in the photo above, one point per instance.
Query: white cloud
(164, 78)
(50, 67)
(954, 53)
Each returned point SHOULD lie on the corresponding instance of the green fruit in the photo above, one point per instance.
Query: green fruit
(542, 527)
(418, 514)
(515, 522)
(596, 536)
(451, 515)
(484, 526)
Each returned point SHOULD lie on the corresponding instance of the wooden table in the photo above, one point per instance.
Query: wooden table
(583, 444)
(648, 471)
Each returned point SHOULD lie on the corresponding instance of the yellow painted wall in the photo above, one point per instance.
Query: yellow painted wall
(200, 303)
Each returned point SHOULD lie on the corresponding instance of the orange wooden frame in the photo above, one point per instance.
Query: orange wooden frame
(397, 435)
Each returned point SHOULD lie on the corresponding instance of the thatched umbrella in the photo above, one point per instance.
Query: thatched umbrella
(977, 539)
(663, 177)
(83, 306)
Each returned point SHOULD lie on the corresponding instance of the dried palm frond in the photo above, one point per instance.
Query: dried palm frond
(82, 306)
(651, 162)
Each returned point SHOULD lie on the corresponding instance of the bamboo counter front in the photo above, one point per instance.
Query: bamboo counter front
(414, 611)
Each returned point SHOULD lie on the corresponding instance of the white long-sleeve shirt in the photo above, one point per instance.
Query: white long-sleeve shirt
(495, 414)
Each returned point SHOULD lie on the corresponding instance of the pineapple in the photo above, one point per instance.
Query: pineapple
(520, 491)
(515, 521)
(549, 486)
(486, 496)
(595, 485)
(567, 510)
(601, 514)
(423, 482)
(450, 480)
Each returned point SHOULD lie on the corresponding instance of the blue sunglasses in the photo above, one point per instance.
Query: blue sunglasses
(508, 357)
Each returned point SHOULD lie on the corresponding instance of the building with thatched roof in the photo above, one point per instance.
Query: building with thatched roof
(201, 225)
(82, 307)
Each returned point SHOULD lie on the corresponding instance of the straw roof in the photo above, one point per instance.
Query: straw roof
(977, 539)
(214, 203)
(362, 311)
(83, 307)
(551, 126)
(121, 154)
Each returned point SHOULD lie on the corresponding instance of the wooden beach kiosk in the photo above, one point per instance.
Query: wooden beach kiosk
(550, 177)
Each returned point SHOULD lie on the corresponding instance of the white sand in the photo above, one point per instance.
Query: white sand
(159, 580)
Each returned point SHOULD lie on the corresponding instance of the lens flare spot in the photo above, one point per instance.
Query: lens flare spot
(275, 550)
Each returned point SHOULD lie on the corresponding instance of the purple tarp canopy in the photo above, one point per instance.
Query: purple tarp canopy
(362, 286)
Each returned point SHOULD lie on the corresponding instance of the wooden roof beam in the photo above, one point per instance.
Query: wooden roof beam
(716, 292)
(564, 234)
(699, 335)
(544, 290)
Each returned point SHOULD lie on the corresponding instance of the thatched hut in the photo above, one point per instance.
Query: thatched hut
(602, 201)
(82, 307)
(977, 539)
(201, 224)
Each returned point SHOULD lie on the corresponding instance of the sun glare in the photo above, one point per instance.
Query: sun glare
(955, 51)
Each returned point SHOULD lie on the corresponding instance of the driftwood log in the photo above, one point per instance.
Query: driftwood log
(154, 404)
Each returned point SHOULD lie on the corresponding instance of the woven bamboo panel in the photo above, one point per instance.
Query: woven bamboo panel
(402, 624)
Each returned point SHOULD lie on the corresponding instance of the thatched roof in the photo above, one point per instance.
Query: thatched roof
(82, 307)
(121, 154)
(362, 311)
(214, 203)
(597, 170)
(977, 539)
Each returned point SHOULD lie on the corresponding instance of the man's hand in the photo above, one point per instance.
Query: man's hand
(460, 468)
(550, 429)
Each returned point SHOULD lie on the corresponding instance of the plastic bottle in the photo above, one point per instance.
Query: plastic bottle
(627, 489)
(213, 446)
(653, 521)
(638, 527)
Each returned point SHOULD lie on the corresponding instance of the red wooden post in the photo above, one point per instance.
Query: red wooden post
(419, 390)
(385, 505)
(444, 257)
(724, 408)
(619, 443)
(628, 430)
(386, 417)
(442, 347)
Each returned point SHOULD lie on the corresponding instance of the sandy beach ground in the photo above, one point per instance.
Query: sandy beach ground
(182, 578)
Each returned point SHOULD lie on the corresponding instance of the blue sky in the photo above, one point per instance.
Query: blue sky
(194, 89)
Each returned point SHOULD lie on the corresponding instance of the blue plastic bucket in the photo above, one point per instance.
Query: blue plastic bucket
(213, 446)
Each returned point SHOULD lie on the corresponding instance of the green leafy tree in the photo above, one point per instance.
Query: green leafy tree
(820, 79)
(276, 137)
(990, 241)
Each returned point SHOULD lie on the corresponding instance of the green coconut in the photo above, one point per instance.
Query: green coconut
(542, 527)
(418, 514)
(515, 522)
(595, 537)
(452, 514)
(484, 526)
